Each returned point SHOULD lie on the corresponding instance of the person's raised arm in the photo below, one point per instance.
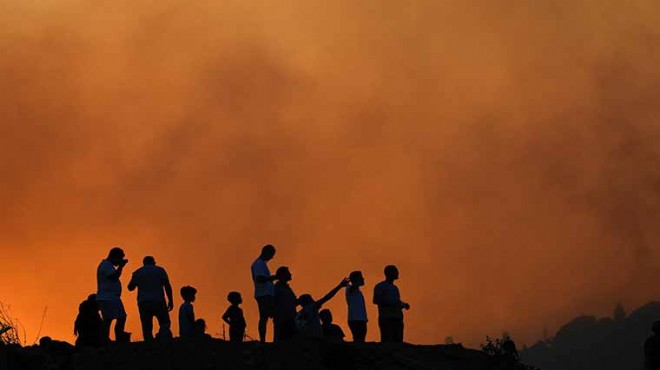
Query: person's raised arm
(343, 283)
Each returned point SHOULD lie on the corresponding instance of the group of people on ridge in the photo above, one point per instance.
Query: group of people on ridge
(275, 298)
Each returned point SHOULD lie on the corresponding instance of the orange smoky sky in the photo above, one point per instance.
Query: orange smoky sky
(504, 154)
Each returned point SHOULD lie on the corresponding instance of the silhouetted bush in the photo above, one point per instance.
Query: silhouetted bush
(504, 350)
(9, 327)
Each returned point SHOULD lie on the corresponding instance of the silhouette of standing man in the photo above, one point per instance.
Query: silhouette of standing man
(264, 290)
(150, 281)
(390, 307)
(108, 295)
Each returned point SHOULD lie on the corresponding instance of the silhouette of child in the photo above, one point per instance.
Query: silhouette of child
(331, 331)
(390, 307)
(652, 349)
(307, 319)
(200, 330)
(284, 311)
(187, 312)
(234, 317)
(357, 310)
(89, 325)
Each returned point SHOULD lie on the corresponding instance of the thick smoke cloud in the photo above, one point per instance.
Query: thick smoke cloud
(503, 155)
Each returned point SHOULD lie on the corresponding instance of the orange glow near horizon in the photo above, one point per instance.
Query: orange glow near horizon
(504, 156)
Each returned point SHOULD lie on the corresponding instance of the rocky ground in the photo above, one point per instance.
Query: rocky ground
(211, 354)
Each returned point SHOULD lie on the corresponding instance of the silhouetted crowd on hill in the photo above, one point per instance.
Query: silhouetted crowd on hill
(293, 316)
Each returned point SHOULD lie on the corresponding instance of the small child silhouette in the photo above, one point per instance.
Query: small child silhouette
(200, 330)
(187, 312)
(89, 325)
(307, 319)
(234, 317)
(331, 332)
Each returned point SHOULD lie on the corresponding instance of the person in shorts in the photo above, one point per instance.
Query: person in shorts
(153, 284)
(108, 295)
(264, 290)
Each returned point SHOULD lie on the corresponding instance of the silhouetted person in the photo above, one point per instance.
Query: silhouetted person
(200, 330)
(510, 352)
(108, 295)
(234, 317)
(307, 320)
(152, 284)
(264, 291)
(390, 307)
(331, 331)
(652, 349)
(187, 312)
(357, 310)
(88, 327)
(284, 310)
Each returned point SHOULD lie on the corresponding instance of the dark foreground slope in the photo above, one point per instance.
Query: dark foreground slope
(218, 354)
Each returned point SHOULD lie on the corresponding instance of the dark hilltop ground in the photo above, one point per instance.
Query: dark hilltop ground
(211, 354)
(585, 343)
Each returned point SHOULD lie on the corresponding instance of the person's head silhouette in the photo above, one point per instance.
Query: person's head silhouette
(326, 316)
(235, 298)
(148, 260)
(200, 326)
(267, 252)
(283, 274)
(356, 278)
(116, 256)
(391, 273)
(655, 328)
(188, 293)
(305, 300)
